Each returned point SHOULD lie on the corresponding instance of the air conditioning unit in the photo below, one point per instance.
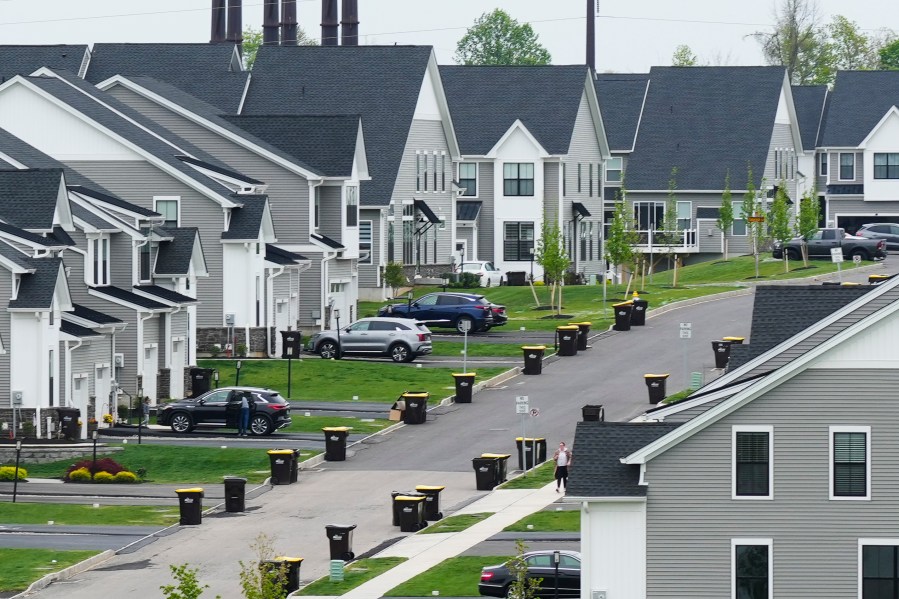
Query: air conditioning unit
(17, 397)
(119, 360)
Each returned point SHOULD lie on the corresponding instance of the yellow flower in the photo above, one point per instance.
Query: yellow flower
(107, 418)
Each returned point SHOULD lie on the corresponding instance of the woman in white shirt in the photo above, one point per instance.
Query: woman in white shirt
(562, 458)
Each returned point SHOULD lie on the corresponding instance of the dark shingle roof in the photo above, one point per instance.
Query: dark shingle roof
(174, 256)
(281, 256)
(129, 297)
(70, 328)
(486, 100)
(220, 170)
(467, 210)
(166, 294)
(36, 290)
(203, 70)
(28, 198)
(92, 219)
(327, 143)
(621, 100)
(61, 237)
(32, 238)
(380, 83)
(12, 254)
(24, 60)
(246, 221)
(331, 243)
(809, 103)
(858, 101)
(597, 470)
(94, 316)
(706, 121)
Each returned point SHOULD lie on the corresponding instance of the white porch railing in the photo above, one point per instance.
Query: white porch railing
(663, 242)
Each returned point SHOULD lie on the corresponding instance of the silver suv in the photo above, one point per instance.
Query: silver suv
(400, 338)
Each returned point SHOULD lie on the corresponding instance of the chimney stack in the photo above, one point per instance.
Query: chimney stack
(235, 21)
(288, 22)
(349, 23)
(329, 23)
(591, 37)
(218, 22)
(271, 33)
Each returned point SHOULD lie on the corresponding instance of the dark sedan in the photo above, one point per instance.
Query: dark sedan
(495, 580)
(221, 408)
(461, 311)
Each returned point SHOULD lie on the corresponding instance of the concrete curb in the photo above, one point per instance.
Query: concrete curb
(66, 573)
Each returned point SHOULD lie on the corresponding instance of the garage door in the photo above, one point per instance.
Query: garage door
(851, 222)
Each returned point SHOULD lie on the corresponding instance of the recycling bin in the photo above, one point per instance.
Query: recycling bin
(340, 541)
(335, 443)
(593, 413)
(432, 501)
(396, 505)
(291, 344)
(200, 381)
(291, 568)
(533, 358)
(502, 465)
(464, 386)
(566, 340)
(722, 353)
(526, 448)
(656, 385)
(623, 316)
(878, 279)
(486, 472)
(281, 461)
(68, 423)
(411, 508)
(638, 313)
(235, 494)
(734, 340)
(583, 332)
(416, 411)
(516, 278)
(190, 504)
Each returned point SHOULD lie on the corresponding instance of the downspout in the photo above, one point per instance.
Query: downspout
(69, 351)
(325, 287)
(168, 349)
(270, 316)
(140, 349)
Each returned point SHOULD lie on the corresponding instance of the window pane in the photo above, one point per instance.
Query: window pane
(510, 171)
(849, 467)
(752, 463)
(751, 564)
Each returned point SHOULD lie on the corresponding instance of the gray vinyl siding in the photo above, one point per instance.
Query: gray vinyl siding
(310, 291)
(125, 341)
(584, 150)
(330, 212)
(138, 182)
(368, 273)
(74, 263)
(837, 206)
(834, 168)
(551, 190)
(85, 359)
(6, 293)
(466, 234)
(485, 218)
(690, 511)
(708, 244)
(781, 139)
(120, 261)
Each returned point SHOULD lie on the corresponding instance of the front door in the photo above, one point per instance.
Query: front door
(80, 396)
(176, 376)
(282, 323)
(151, 370)
(102, 387)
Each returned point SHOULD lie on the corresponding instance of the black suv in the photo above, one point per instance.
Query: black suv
(460, 311)
(221, 407)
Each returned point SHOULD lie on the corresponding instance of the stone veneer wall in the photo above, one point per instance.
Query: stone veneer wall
(208, 337)
(42, 454)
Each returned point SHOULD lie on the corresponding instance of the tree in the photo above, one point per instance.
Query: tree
(779, 221)
(522, 586)
(807, 220)
(252, 39)
(263, 578)
(752, 209)
(683, 57)
(551, 256)
(188, 585)
(670, 235)
(726, 212)
(498, 39)
(889, 56)
(619, 246)
(394, 277)
(796, 40)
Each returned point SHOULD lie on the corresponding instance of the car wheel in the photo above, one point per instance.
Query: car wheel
(461, 327)
(502, 281)
(793, 254)
(860, 252)
(182, 423)
(400, 352)
(507, 591)
(487, 283)
(261, 425)
(327, 350)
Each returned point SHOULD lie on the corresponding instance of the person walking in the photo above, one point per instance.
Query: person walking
(244, 420)
(562, 459)
(145, 421)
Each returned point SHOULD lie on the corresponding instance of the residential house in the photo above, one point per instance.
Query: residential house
(533, 148)
(810, 102)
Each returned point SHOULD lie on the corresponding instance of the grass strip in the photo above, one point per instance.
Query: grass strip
(548, 521)
(20, 567)
(354, 575)
(87, 515)
(456, 523)
(478, 349)
(314, 424)
(536, 478)
(455, 577)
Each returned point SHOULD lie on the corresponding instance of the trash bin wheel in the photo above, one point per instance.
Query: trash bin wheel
(440, 515)
(274, 480)
(348, 556)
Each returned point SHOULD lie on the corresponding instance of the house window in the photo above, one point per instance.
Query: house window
(417, 171)
(822, 164)
(850, 462)
(317, 210)
(51, 379)
(435, 171)
(144, 257)
(518, 179)
(408, 233)
(518, 241)
(168, 208)
(390, 244)
(424, 171)
(352, 206)
(752, 470)
(579, 177)
(468, 178)
(613, 169)
(738, 228)
(365, 242)
(886, 166)
(98, 255)
(879, 570)
(442, 172)
(684, 216)
(751, 569)
(590, 239)
(590, 179)
(847, 166)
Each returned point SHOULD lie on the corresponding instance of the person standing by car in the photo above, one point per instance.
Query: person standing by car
(145, 420)
(562, 459)
(244, 419)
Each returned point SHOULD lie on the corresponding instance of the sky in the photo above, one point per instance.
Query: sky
(632, 35)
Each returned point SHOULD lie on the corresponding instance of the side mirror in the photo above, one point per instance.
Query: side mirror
(201, 402)
(348, 329)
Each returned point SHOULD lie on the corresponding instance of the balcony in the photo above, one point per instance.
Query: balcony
(666, 242)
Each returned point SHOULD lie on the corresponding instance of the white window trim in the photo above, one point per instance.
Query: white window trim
(371, 244)
(769, 543)
(176, 199)
(738, 215)
(840, 166)
(849, 429)
(823, 162)
(316, 211)
(95, 244)
(733, 455)
(477, 180)
(620, 169)
(867, 542)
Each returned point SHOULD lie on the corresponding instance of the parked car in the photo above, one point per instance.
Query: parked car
(495, 580)
(447, 309)
(221, 408)
(889, 232)
(401, 339)
(820, 244)
(490, 275)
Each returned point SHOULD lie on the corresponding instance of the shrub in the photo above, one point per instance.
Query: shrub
(80, 475)
(242, 350)
(215, 350)
(8, 473)
(104, 477)
(105, 464)
(125, 477)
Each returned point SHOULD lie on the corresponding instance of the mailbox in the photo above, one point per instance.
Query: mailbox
(291, 344)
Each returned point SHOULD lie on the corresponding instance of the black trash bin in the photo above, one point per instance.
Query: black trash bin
(200, 381)
(623, 316)
(638, 313)
(395, 505)
(533, 358)
(566, 340)
(734, 340)
(190, 504)
(593, 413)
(486, 471)
(335, 443)
(464, 386)
(526, 448)
(878, 279)
(295, 467)
(411, 509)
(340, 541)
(516, 278)
(583, 332)
(235, 494)
(291, 344)
(68, 423)
(432, 501)
(502, 465)
(722, 353)
(656, 385)
(416, 411)
(281, 463)
(291, 569)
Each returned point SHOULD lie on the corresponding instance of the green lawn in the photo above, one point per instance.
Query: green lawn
(315, 379)
(314, 424)
(455, 577)
(478, 348)
(536, 478)
(548, 521)
(741, 269)
(78, 515)
(20, 567)
(456, 523)
(354, 575)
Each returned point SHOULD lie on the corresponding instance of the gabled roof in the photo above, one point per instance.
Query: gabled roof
(75, 330)
(32, 239)
(706, 122)
(220, 170)
(599, 447)
(93, 316)
(247, 221)
(486, 100)
(20, 260)
(24, 60)
(281, 256)
(94, 220)
(380, 83)
(111, 200)
(426, 211)
(127, 298)
(174, 257)
(856, 105)
(203, 70)
(621, 100)
(809, 102)
(29, 198)
(331, 244)
(37, 289)
(161, 294)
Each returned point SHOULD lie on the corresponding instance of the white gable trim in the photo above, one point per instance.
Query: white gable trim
(659, 415)
(596, 115)
(893, 111)
(433, 71)
(360, 159)
(116, 225)
(787, 93)
(517, 126)
(62, 215)
(61, 296)
(12, 161)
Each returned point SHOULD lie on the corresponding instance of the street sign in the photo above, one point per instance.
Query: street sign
(857, 259)
(686, 325)
(521, 399)
(521, 408)
(535, 412)
(836, 255)
(465, 325)
(686, 334)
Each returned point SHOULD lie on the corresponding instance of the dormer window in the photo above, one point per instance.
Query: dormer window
(97, 271)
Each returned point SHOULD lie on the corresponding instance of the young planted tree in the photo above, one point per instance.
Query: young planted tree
(726, 213)
(394, 277)
(779, 222)
(807, 220)
(671, 236)
(619, 247)
(551, 256)
(753, 213)
(263, 579)
(188, 585)
(522, 586)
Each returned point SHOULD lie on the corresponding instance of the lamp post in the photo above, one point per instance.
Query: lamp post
(140, 423)
(15, 480)
(237, 377)
(531, 252)
(215, 377)
(94, 465)
(556, 565)
(337, 318)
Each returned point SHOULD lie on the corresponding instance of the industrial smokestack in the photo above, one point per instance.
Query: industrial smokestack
(271, 34)
(329, 23)
(218, 22)
(289, 22)
(349, 23)
(235, 21)
(591, 36)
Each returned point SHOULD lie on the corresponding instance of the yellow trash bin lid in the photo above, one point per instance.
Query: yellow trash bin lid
(416, 394)
(336, 429)
(409, 498)
(498, 456)
(280, 452)
(533, 347)
(737, 339)
(656, 376)
(284, 558)
(464, 374)
(194, 490)
(428, 488)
